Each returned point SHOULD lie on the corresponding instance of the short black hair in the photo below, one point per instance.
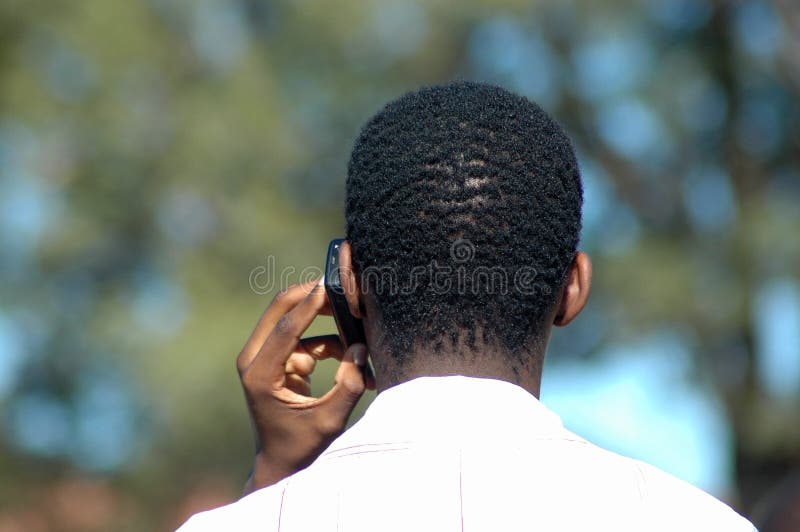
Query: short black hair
(473, 182)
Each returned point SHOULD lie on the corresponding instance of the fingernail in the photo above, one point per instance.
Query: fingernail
(360, 355)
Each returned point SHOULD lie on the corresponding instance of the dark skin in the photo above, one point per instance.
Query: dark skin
(292, 428)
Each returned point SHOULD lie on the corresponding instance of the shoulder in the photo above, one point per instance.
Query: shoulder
(258, 511)
(676, 504)
(664, 501)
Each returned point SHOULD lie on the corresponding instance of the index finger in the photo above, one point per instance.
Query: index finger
(270, 361)
(283, 302)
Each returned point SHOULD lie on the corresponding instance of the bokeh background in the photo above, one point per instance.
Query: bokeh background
(162, 160)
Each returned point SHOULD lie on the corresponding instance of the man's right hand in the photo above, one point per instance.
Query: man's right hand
(291, 427)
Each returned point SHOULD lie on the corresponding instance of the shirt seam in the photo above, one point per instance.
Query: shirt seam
(359, 445)
(371, 451)
(280, 508)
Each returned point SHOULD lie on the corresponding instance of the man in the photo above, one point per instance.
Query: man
(463, 214)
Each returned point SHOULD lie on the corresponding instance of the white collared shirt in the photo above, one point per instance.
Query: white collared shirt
(468, 454)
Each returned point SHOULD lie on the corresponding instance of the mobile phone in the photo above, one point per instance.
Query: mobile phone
(351, 329)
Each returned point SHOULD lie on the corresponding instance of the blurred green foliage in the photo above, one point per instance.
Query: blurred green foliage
(155, 155)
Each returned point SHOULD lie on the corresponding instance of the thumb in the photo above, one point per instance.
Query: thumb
(338, 403)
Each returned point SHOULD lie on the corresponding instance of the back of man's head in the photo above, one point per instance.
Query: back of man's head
(463, 211)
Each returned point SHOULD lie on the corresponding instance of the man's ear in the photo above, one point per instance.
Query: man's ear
(575, 291)
(348, 279)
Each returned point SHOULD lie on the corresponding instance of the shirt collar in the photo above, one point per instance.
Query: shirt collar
(460, 407)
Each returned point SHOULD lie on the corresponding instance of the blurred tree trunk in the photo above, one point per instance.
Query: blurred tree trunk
(759, 465)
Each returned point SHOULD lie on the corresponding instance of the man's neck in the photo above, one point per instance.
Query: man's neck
(526, 374)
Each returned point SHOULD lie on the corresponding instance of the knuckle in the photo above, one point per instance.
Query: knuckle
(284, 324)
(329, 426)
(354, 387)
(254, 386)
(282, 294)
(241, 363)
(248, 381)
